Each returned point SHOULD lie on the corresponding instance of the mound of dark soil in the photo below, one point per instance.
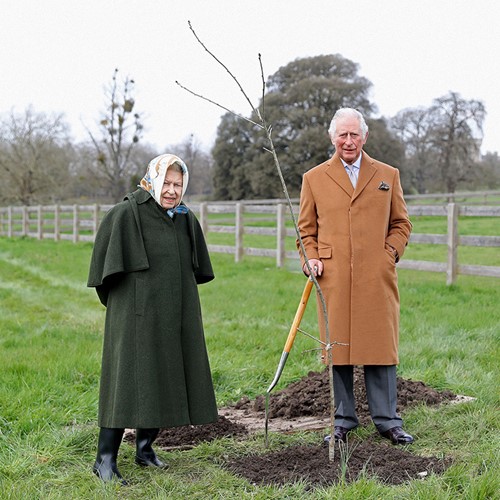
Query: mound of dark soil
(194, 434)
(187, 436)
(311, 464)
(310, 396)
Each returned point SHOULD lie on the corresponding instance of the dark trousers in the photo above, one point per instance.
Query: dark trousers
(381, 391)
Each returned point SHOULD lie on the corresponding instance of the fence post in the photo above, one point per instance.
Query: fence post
(280, 234)
(57, 223)
(25, 229)
(452, 269)
(9, 220)
(238, 232)
(75, 223)
(39, 222)
(203, 218)
(95, 221)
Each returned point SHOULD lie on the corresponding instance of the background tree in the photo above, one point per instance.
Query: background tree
(457, 138)
(87, 178)
(385, 146)
(233, 144)
(487, 172)
(35, 154)
(199, 163)
(414, 128)
(442, 142)
(120, 130)
(300, 101)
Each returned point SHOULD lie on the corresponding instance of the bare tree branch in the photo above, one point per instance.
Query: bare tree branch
(217, 104)
(223, 65)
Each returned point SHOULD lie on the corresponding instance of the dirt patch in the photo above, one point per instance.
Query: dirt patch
(305, 405)
(311, 464)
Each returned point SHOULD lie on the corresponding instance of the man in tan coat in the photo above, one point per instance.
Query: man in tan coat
(354, 227)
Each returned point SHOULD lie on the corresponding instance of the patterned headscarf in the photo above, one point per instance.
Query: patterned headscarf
(153, 181)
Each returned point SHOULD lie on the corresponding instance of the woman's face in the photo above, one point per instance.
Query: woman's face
(172, 189)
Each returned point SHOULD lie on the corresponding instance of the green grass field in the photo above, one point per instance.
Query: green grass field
(50, 347)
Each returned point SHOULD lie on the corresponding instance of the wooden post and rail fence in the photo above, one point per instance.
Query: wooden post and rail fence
(80, 223)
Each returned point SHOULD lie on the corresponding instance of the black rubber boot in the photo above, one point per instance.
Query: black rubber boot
(145, 454)
(107, 451)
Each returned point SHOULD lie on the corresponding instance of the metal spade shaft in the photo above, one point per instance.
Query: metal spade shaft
(293, 332)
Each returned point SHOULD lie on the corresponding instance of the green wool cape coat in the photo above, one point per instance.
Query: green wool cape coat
(145, 267)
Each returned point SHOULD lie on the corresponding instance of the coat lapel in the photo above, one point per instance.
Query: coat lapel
(336, 171)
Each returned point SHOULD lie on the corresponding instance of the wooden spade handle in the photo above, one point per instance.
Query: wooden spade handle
(298, 316)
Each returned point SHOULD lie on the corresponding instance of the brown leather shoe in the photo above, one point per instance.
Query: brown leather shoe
(340, 434)
(397, 436)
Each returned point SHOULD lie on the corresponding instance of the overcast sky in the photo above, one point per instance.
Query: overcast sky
(58, 55)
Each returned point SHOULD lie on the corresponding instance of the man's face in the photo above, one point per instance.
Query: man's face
(348, 138)
(172, 189)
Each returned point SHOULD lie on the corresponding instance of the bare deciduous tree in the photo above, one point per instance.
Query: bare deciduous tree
(414, 128)
(442, 142)
(35, 153)
(120, 130)
(87, 179)
(457, 136)
(199, 163)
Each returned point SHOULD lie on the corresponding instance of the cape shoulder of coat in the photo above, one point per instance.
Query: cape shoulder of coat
(119, 245)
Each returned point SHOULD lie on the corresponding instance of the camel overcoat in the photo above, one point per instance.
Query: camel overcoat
(145, 267)
(349, 230)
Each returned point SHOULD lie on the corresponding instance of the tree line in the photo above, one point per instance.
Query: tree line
(40, 163)
(436, 148)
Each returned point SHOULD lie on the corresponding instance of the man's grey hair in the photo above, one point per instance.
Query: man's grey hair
(351, 112)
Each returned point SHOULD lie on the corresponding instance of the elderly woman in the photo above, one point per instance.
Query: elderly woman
(148, 258)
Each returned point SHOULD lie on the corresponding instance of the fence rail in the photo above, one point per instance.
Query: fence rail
(80, 223)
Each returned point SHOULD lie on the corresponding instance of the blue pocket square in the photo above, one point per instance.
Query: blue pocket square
(383, 186)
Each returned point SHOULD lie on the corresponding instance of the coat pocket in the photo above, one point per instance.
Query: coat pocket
(139, 297)
(325, 252)
(390, 253)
